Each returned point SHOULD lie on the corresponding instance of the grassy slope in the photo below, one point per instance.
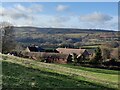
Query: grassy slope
(18, 72)
(97, 70)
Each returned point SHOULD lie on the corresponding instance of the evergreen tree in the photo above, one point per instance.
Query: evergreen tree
(98, 56)
(69, 60)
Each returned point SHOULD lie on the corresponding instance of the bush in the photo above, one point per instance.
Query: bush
(112, 62)
(4, 57)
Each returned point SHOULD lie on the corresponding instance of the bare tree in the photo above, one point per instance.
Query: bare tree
(7, 37)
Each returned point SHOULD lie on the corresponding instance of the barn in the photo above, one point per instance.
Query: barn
(46, 57)
(82, 54)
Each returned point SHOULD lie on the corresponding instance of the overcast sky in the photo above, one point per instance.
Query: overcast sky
(99, 15)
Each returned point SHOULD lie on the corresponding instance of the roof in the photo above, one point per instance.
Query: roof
(54, 55)
(46, 55)
(51, 51)
(34, 49)
(70, 51)
(91, 51)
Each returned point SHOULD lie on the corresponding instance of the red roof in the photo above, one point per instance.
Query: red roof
(70, 51)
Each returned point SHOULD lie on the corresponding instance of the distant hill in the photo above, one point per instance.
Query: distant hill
(58, 36)
(58, 30)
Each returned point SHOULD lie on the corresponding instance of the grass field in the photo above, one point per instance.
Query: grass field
(26, 73)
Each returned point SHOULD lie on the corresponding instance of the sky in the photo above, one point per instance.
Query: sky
(83, 15)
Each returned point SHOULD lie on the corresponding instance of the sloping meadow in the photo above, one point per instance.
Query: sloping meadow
(26, 73)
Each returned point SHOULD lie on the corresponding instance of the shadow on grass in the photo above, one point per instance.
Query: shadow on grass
(17, 76)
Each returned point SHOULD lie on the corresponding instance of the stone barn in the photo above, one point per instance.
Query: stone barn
(46, 57)
(55, 58)
(82, 54)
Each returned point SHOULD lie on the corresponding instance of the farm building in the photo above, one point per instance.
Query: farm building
(55, 58)
(82, 54)
(47, 57)
(34, 49)
(63, 55)
(70, 51)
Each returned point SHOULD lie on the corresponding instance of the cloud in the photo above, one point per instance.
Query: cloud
(60, 19)
(19, 7)
(96, 17)
(36, 8)
(99, 21)
(2, 10)
(21, 15)
(111, 24)
(19, 11)
(43, 20)
(30, 9)
(62, 7)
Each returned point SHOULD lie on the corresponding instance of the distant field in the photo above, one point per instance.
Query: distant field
(26, 73)
(74, 35)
